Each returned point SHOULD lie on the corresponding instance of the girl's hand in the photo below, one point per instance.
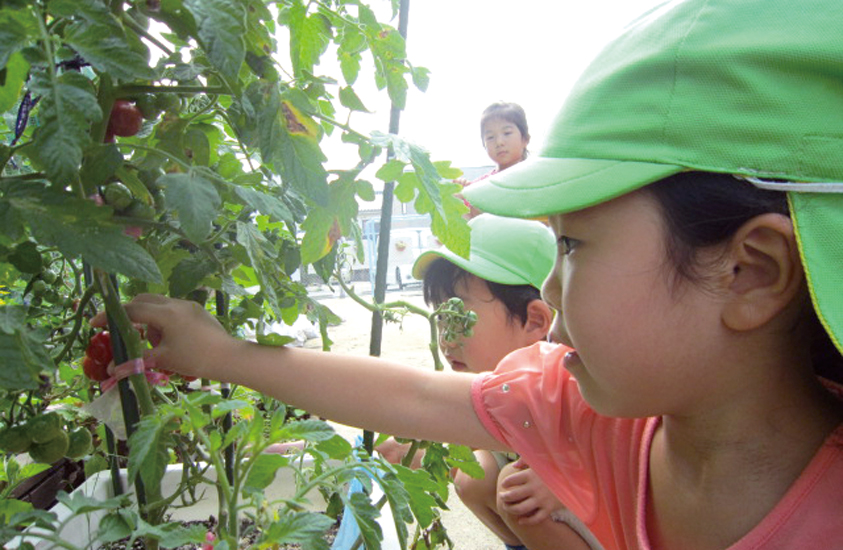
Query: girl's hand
(521, 493)
(185, 338)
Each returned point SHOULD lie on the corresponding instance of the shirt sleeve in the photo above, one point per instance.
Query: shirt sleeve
(533, 405)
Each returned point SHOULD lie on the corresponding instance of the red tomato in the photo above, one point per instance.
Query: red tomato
(99, 348)
(125, 119)
(94, 370)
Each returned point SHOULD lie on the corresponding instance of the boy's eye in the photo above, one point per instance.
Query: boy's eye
(566, 244)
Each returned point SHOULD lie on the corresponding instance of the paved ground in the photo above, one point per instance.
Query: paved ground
(408, 344)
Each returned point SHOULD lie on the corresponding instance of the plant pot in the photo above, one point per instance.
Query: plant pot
(81, 529)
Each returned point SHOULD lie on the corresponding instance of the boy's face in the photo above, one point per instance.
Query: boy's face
(494, 335)
(504, 143)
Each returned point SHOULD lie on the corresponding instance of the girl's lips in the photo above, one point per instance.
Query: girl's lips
(457, 366)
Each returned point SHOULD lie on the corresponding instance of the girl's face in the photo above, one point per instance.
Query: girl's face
(643, 347)
(494, 335)
(504, 143)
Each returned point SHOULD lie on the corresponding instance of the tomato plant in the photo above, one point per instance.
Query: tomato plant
(179, 147)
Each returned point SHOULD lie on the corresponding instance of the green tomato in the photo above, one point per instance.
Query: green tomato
(140, 210)
(52, 450)
(117, 196)
(15, 439)
(38, 288)
(149, 110)
(167, 101)
(45, 427)
(48, 276)
(81, 444)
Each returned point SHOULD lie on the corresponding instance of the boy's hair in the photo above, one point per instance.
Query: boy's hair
(702, 209)
(442, 277)
(510, 112)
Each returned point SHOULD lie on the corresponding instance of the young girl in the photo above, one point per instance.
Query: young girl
(691, 415)
(503, 129)
(500, 281)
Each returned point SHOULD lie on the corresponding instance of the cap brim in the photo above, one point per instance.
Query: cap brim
(478, 266)
(541, 186)
(816, 218)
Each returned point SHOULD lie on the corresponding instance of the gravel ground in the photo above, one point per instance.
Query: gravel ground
(406, 344)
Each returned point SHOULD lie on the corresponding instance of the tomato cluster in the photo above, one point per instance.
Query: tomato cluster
(97, 357)
(99, 354)
(46, 439)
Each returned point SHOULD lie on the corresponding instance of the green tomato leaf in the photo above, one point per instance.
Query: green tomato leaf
(99, 38)
(17, 70)
(309, 430)
(350, 66)
(12, 318)
(17, 29)
(77, 228)
(265, 204)
(366, 515)
(419, 486)
(263, 471)
(149, 448)
(101, 162)
(350, 100)
(309, 37)
(195, 200)
(391, 171)
(222, 26)
(187, 275)
(67, 109)
(263, 258)
(305, 528)
(23, 357)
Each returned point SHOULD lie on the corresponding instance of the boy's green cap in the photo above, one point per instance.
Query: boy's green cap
(508, 251)
(745, 87)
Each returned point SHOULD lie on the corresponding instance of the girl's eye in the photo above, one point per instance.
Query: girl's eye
(566, 244)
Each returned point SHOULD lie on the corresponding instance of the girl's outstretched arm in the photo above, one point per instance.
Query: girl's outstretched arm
(366, 392)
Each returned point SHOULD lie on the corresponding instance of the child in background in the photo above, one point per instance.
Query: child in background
(503, 129)
(693, 183)
(500, 281)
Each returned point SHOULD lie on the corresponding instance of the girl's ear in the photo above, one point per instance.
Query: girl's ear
(539, 319)
(765, 273)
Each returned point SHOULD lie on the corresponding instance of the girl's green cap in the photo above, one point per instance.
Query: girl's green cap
(746, 87)
(508, 251)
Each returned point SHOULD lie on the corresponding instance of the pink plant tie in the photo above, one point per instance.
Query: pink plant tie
(130, 367)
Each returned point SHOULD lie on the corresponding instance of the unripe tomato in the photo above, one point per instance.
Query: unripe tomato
(39, 287)
(15, 439)
(80, 444)
(48, 276)
(51, 450)
(167, 101)
(117, 196)
(44, 427)
(140, 210)
(147, 106)
(125, 119)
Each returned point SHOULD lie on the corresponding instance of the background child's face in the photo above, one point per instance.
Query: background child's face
(494, 334)
(644, 347)
(504, 143)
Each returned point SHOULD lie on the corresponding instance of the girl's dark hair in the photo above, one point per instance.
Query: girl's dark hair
(442, 277)
(510, 112)
(704, 209)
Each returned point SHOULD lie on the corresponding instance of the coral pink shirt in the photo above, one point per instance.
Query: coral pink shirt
(598, 466)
